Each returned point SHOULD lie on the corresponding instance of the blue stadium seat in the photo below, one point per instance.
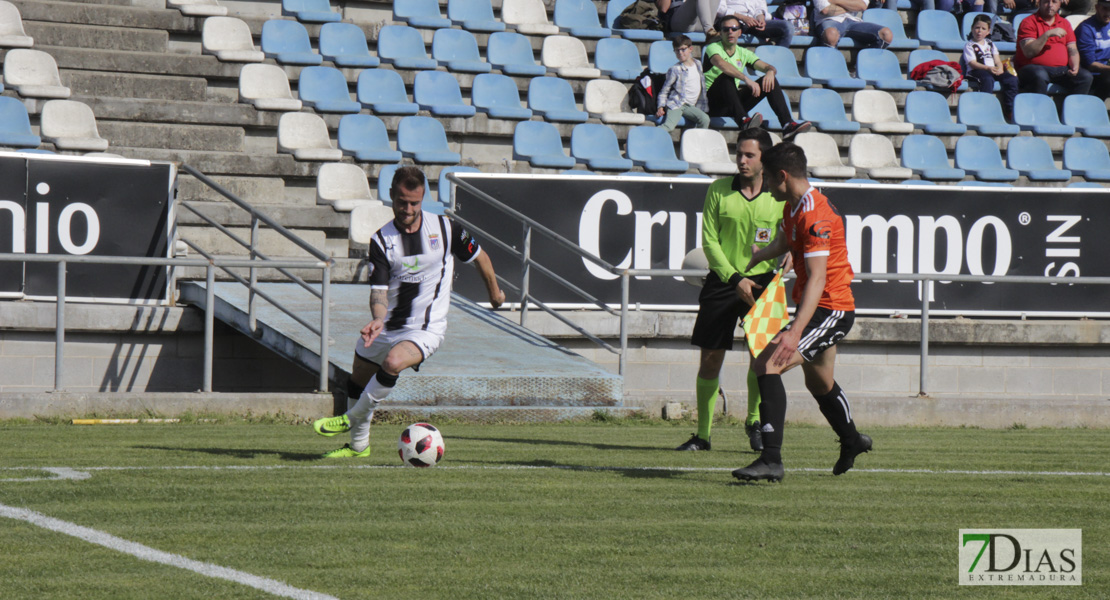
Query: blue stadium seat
(1087, 158)
(661, 57)
(922, 55)
(497, 96)
(579, 18)
(917, 182)
(439, 93)
(981, 112)
(1087, 114)
(365, 138)
(1086, 184)
(15, 125)
(310, 11)
(825, 109)
(539, 143)
(420, 13)
(383, 91)
(929, 112)
(345, 45)
(596, 145)
(1032, 157)
(1037, 113)
(385, 180)
(474, 15)
(928, 158)
(287, 43)
(770, 119)
(553, 99)
(782, 59)
(653, 149)
(457, 50)
(965, 30)
(403, 47)
(890, 19)
(443, 192)
(880, 69)
(613, 10)
(512, 53)
(618, 59)
(981, 158)
(939, 30)
(325, 90)
(826, 66)
(984, 184)
(423, 140)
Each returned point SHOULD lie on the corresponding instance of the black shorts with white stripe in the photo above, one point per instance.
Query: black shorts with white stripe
(825, 329)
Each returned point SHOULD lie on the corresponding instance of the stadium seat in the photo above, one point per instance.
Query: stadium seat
(928, 158)
(1087, 114)
(880, 69)
(439, 93)
(823, 156)
(457, 51)
(981, 112)
(497, 96)
(385, 180)
(1037, 113)
(782, 59)
(653, 149)
(874, 154)
(1087, 158)
(1032, 157)
(512, 54)
(403, 47)
(383, 91)
(707, 151)
(475, 16)
(310, 11)
(618, 59)
(12, 34)
(33, 74)
(929, 112)
(365, 138)
(366, 219)
(423, 140)
(613, 10)
(443, 191)
(305, 136)
(826, 66)
(566, 57)
(981, 158)
(607, 100)
(342, 186)
(763, 107)
(287, 43)
(965, 29)
(877, 110)
(661, 56)
(890, 19)
(596, 146)
(198, 8)
(825, 109)
(1086, 184)
(229, 40)
(345, 45)
(266, 87)
(553, 99)
(579, 19)
(939, 30)
(70, 125)
(15, 125)
(539, 143)
(420, 13)
(325, 90)
(527, 16)
(922, 55)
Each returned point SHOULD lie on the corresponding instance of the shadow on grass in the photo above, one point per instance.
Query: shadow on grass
(633, 472)
(541, 442)
(241, 453)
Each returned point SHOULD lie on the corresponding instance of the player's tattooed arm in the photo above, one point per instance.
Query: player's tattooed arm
(379, 303)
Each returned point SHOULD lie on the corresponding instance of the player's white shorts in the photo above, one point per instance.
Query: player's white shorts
(426, 341)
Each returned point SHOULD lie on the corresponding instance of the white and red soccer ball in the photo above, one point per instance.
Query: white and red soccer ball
(421, 445)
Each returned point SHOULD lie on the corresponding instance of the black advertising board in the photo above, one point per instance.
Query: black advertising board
(647, 222)
(86, 207)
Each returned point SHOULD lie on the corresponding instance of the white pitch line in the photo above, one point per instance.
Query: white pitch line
(147, 553)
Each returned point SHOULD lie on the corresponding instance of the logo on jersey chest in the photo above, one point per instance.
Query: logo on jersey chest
(762, 235)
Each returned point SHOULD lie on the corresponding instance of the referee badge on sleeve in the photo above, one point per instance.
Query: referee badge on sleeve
(762, 235)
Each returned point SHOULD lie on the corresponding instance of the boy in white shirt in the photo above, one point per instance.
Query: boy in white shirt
(683, 93)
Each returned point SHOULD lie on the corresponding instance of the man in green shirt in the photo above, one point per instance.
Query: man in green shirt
(737, 214)
(732, 93)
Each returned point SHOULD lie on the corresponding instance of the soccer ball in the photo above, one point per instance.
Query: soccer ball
(421, 445)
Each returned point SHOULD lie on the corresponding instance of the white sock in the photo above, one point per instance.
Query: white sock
(362, 413)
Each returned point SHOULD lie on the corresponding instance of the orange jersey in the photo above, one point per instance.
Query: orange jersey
(816, 229)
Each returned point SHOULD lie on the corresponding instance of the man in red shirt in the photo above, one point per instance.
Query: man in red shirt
(1047, 53)
(824, 308)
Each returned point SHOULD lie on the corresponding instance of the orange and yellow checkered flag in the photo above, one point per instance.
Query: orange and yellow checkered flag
(767, 316)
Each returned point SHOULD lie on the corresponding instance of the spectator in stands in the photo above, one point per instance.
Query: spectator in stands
(683, 92)
(987, 6)
(890, 4)
(755, 20)
(945, 5)
(689, 15)
(1047, 53)
(1092, 38)
(1014, 7)
(732, 93)
(982, 63)
(836, 18)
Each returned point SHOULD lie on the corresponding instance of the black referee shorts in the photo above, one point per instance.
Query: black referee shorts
(719, 309)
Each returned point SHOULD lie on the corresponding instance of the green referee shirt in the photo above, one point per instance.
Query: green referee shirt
(731, 223)
(740, 58)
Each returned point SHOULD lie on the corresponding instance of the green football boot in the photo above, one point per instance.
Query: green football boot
(329, 426)
(347, 452)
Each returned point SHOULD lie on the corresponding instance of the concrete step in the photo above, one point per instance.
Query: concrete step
(296, 217)
(95, 36)
(226, 163)
(260, 191)
(157, 62)
(107, 13)
(343, 270)
(193, 112)
(271, 243)
(130, 85)
(165, 135)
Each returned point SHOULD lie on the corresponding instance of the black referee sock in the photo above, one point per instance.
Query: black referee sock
(772, 410)
(834, 405)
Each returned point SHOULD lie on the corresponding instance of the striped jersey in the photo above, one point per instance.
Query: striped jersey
(816, 229)
(417, 269)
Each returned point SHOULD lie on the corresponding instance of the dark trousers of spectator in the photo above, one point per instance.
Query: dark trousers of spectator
(728, 100)
(1035, 79)
(1009, 84)
(1100, 86)
(775, 31)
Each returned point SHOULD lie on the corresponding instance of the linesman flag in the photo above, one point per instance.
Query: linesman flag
(767, 316)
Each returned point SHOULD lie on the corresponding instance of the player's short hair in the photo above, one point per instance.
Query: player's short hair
(682, 40)
(786, 156)
(759, 134)
(407, 178)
